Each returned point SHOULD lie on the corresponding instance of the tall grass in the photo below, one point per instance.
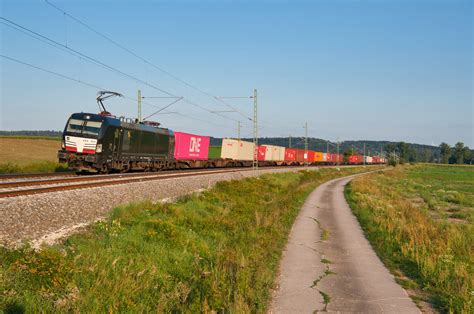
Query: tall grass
(436, 253)
(216, 251)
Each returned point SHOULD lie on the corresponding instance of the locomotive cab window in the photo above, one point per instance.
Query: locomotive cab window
(84, 127)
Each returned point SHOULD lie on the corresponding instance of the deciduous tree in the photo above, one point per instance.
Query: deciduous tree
(445, 152)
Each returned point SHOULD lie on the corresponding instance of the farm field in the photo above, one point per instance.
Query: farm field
(214, 251)
(419, 220)
(29, 154)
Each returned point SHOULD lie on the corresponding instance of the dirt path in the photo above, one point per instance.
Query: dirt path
(328, 264)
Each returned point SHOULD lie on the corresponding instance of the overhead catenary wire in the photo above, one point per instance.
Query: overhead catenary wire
(54, 43)
(95, 86)
(114, 42)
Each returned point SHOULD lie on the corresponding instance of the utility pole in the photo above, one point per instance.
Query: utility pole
(306, 143)
(289, 141)
(337, 147)
(139, 99)
(327, 147)
(238, 130)
(364, 154)
(255, 132)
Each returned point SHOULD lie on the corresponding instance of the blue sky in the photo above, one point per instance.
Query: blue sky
(380, 70)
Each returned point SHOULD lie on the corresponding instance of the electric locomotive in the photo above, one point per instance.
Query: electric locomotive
(104, 143)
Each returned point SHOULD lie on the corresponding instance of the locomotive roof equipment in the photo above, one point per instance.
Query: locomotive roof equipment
(103, 95)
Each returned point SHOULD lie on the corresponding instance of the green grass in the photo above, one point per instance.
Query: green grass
(33, 167)
(215, 251)
(419, 219)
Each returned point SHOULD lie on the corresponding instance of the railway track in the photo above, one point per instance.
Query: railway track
(21, 188)
(36, 175)
(54, 182)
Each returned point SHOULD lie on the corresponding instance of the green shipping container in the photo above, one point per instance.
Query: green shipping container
(214, 152)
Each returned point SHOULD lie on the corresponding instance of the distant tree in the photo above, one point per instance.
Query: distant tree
(445, 152)
(347, 153)
(404, 150)
(468, 155)
(391, 147)
(426, 155)
(459, 152)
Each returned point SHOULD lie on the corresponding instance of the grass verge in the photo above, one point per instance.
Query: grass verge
(214, 251)
(33, 167)
(406, 214)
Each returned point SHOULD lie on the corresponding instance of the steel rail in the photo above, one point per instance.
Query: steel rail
(100, 183)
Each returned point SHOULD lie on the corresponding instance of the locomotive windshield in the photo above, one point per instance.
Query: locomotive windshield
(84, 127)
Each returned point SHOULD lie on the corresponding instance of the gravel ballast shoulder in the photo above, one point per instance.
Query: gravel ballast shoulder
(44, 218)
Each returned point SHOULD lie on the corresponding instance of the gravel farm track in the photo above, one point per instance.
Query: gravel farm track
(44, 208)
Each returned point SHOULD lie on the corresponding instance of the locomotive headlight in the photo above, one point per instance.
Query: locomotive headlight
(98, 148)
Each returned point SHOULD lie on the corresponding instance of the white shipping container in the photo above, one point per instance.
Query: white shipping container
(280, 153)
(237, 150)
(325, 157)
(368, 159)
(268, 152)
(274, 153)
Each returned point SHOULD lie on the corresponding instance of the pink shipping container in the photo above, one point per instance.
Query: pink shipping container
(190, 146)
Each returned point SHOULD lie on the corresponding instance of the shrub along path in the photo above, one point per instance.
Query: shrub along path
(328, 264)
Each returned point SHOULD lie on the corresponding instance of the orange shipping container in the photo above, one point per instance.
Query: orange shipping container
(318, 156)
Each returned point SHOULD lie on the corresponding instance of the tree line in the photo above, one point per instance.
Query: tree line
(444, 153)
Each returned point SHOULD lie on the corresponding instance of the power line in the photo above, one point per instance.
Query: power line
(53, 43)
(143, 59)
(95, 61)
(97, 87)
(52, 72)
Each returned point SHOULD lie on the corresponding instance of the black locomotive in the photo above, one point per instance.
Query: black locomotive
(104, 143)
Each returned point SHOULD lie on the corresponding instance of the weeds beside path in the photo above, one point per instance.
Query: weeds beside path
(420, 221)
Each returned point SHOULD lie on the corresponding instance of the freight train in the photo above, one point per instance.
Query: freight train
(103, 143)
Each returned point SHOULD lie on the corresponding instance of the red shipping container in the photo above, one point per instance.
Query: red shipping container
(356, 159)
(300, 155)
(290, 154)
(190, 146)
(261, 152)
(330, 157)
(310, 157)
